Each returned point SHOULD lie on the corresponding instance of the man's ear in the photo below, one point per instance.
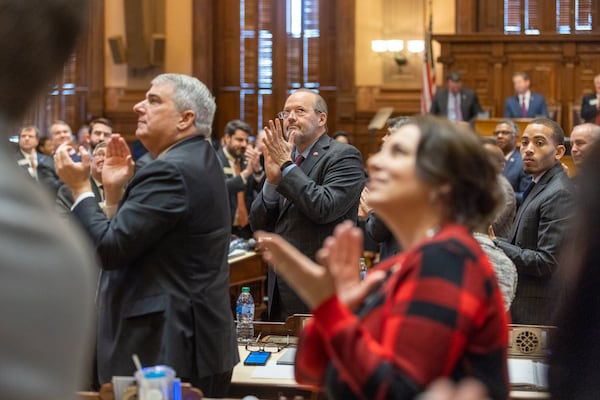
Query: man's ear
(322, 119)
(187, 119)
(560, 151)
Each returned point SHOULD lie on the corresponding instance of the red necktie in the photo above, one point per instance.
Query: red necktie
(299, 160)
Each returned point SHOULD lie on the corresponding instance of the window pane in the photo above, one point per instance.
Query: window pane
(512, 16)
(583, 15)
(563, 16)
(532, 20)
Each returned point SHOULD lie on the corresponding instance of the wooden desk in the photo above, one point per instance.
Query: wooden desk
(242, 383)
(248, 270)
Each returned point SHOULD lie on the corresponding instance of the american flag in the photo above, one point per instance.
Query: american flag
(428, 71)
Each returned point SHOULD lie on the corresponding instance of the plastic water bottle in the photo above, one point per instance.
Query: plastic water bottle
(363, 269)
(245, 316)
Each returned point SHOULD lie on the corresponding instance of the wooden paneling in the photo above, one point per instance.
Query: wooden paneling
(561, 67)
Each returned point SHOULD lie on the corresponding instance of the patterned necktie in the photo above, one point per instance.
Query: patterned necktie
(523, 107)
(457, 111)
(299, 160)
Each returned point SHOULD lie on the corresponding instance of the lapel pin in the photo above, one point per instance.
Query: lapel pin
(315, 153)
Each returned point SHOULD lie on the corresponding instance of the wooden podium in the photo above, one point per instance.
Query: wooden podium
(485, 127)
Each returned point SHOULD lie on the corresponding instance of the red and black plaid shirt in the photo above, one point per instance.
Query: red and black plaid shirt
(440, 313)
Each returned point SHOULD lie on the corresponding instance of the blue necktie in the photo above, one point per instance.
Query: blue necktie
(526, 192)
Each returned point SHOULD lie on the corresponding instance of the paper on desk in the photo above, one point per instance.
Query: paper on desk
(274, 371)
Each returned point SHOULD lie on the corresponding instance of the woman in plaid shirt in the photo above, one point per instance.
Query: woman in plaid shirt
(434, 310)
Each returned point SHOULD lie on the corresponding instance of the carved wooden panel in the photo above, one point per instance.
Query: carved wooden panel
(561, 67)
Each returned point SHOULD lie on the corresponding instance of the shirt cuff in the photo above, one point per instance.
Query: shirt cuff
(287, 169)
(270, 195)
(81, 197)
(332, 315)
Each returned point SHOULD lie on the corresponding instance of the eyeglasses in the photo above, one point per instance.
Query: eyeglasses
(269, 347)
(507, 133)
(300, 112)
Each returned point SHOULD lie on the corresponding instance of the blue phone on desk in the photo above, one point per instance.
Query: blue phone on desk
(257, 358)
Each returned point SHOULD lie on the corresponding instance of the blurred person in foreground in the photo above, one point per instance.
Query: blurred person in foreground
(575, 349)
(408, 323)
(46, 290)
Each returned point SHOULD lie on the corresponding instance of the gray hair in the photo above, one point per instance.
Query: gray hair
(191, 94)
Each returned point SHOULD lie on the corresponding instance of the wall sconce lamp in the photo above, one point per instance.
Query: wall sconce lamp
(395, 47)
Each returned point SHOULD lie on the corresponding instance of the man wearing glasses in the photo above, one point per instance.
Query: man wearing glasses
(312, 184)
(506, 134)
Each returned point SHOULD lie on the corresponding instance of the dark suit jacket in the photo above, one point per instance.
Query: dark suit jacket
(313, 198)
(537, 107)
(47, 175)
(376, 229)
(236, 184)
(469, 103)
(64, 198)
(514, 173)
(540, 226)
(589, 111)
(164, 293)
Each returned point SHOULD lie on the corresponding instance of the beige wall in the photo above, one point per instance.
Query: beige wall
(178, 52)
(411, 17)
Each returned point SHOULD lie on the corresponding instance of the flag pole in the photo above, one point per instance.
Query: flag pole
(428, 90)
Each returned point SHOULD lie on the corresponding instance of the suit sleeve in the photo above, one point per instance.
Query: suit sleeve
(475, 107)
(154, 202)
(541, 261)
(544, 108)
(261, 217)
(435, 106)
(376, 228)
(339, 189)
(588, 111)
(507, 109)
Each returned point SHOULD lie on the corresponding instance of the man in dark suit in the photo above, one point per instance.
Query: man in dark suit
(47, 285)
(541, 223)
(455, 102)
(304, 200)
(164, 291)
(243, 174)
(590, 104)
(27, 156)
(524, 104)
(505, 135)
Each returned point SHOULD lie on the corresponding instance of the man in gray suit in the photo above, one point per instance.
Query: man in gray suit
(541, 223)
(164, 291)
(47, 276)
(303, 200)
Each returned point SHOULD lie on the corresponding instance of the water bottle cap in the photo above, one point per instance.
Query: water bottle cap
(245, 289)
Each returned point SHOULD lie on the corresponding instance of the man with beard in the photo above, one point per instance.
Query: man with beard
(305, 199)
(243, 174)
